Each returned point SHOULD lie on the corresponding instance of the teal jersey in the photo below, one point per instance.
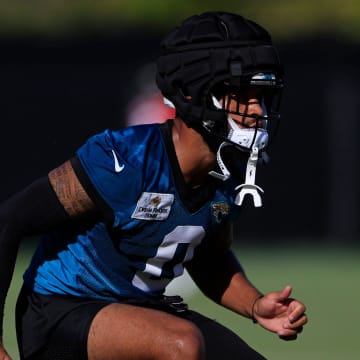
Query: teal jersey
(154, 231)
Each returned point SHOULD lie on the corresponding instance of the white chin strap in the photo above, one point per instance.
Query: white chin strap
(254, 139)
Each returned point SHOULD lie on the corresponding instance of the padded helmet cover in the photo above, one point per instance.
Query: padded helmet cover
(208, 49)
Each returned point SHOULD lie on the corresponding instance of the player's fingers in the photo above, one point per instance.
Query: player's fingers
(299, 330)
(290, 333)
(298, 313)
(296, 325)
(287, 334)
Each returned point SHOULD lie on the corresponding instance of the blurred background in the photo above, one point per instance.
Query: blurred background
(70, 69)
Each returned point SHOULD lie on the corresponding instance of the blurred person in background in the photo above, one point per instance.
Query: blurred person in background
(136, 206)
(147, 105)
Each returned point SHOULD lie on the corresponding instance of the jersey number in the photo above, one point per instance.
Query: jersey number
(176, 248)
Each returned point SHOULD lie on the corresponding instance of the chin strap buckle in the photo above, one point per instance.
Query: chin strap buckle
(249, 187)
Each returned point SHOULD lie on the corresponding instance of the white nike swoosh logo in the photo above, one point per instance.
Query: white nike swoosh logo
(118, 167)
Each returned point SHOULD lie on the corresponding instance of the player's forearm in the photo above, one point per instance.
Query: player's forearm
(240, 295)
(220, 276)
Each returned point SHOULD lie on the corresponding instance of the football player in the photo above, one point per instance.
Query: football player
(134, 207)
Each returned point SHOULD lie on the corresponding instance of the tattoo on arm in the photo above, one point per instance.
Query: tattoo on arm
(69, 190)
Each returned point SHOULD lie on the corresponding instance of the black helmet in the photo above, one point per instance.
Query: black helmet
(212, 54)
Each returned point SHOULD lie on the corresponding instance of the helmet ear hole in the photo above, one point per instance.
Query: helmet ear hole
(184, 93)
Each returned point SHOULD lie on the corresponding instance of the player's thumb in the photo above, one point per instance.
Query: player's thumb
(285, 293)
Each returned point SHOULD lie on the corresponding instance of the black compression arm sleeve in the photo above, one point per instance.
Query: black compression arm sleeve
(32, 211)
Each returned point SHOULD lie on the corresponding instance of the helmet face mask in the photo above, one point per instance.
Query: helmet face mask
(220, 55)
(232, 98)
(236, 102)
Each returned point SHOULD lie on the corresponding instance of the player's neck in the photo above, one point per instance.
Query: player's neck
(194, 155)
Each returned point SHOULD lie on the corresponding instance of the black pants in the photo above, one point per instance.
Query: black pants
(56, 328)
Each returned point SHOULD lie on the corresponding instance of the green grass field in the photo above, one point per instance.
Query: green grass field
(327, 279)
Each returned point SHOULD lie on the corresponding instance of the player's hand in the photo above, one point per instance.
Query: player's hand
(279, 313)
(3, 354)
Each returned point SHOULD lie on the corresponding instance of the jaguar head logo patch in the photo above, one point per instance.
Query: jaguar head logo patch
(220, 211)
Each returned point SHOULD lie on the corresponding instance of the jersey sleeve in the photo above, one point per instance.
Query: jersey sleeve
(110, 177)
